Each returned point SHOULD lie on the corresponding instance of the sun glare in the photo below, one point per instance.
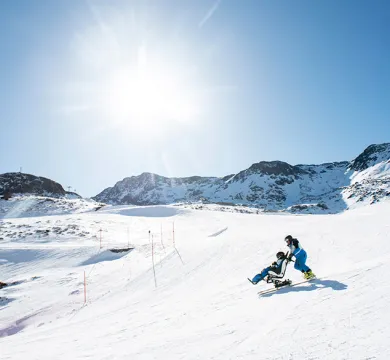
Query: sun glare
(147, 99)
(144, 85)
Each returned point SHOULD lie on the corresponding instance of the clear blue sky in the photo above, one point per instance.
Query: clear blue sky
(94, 91)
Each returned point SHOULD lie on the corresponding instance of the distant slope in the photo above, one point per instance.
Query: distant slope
(273, 185)
(31, 205)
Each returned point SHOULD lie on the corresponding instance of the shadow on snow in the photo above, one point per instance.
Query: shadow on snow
(5, 301)
(316, 284)
(107, 255)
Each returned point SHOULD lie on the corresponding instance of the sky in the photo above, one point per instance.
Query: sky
(95, 91)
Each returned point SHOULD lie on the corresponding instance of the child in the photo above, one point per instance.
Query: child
(275, 267)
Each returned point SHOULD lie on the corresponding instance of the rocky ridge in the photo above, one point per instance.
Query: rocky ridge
(269, 185)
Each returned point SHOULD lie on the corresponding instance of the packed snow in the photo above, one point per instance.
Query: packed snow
(34, 205)
(196, 301)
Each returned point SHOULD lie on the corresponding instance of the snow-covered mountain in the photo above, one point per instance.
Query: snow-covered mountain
(21, 183)
(25, 195)
(273, 185)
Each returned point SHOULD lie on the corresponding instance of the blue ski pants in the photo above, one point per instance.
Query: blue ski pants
(262, 275)
(300, 261)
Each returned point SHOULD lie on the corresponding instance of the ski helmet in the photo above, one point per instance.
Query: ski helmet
(288, 239)
(280, 255)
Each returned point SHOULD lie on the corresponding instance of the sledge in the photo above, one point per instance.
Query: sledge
(275, 277)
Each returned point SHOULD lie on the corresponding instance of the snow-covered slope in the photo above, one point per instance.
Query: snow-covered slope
(275, 185)
(31, 205)
(201, 305)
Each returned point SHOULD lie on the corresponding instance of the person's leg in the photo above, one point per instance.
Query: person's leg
(261, 276)
(300, 262)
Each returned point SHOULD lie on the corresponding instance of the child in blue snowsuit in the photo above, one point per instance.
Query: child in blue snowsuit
(300, 257)
(275, 267)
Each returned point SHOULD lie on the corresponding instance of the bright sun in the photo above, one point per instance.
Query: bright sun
(147, 99)
(133, 80)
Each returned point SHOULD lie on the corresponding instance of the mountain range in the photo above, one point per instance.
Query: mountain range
(269, 185)
(266, 185)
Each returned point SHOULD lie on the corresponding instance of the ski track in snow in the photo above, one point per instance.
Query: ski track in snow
(218, 232)
(203, 306)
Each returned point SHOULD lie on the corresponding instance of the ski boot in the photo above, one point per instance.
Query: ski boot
(309, 275)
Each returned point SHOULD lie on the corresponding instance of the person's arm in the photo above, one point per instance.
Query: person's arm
(294, 246)
(288, 255)
(277, 264)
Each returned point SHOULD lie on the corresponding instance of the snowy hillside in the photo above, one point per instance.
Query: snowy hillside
(275, 185)
(199, 305)
(30, 205)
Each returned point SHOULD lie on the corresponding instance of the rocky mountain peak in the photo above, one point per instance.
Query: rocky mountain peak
(29, 184)
(372, 155)
(274, 168)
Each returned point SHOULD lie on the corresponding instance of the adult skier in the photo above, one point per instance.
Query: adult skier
(300, 257)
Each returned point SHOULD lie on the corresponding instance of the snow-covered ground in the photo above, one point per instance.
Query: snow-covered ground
(201, 305)
(35, 205)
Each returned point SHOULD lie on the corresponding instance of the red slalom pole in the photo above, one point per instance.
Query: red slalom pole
(154, 271)
(85, 288)
(173, 233)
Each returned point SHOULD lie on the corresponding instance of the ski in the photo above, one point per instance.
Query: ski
(268, 291)
(253, 283)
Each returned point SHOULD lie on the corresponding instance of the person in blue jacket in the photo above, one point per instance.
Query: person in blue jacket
(300, 256)
(275, 267)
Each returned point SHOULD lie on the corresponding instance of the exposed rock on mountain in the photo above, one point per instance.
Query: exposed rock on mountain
(374, 154)
(29, 184)
(273, 185)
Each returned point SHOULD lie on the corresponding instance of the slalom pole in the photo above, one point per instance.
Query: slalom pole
(161, 236)
(174, 244)
(173, 234)
(85, 288)
(154, 270)
(179, 255)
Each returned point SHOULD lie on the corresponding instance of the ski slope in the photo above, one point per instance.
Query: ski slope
(201, 305)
